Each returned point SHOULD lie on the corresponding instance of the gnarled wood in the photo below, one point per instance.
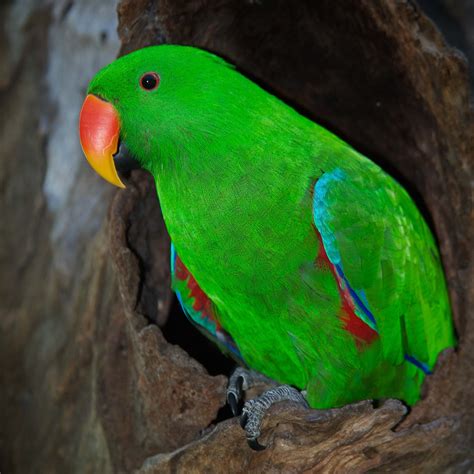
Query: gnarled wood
(89, 381)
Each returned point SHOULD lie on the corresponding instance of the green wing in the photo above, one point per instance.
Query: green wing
(377, 240)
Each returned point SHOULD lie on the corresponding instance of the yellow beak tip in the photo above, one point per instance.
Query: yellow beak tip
(99, 130)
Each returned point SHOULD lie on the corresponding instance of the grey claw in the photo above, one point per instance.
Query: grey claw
(234, 404)
(255, 445)
(234, 395)
(254, 411)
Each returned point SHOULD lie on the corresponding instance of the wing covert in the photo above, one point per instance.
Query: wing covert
(198, 307)
(376, 241)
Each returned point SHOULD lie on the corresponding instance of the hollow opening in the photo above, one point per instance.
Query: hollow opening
(346, 69)
(180, 331)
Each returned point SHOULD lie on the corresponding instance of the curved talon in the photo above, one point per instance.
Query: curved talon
(234, 394)
(255, 445)
(233, 402)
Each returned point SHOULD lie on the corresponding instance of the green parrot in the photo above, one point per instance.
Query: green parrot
(297, 255)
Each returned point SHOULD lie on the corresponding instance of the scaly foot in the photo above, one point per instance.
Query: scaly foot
(254, 410)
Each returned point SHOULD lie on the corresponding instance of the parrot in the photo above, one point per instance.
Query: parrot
(298, 256)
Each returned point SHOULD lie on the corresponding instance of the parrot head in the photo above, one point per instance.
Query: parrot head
(153, 102)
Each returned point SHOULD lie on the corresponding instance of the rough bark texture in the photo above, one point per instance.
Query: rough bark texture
(89, 382)
(455, 18)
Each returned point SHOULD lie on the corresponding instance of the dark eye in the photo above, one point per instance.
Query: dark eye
(149, 81)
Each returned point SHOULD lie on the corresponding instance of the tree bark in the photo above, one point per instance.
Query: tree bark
(93, 376)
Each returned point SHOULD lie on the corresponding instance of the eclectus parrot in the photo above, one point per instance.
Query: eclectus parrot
(294, 253)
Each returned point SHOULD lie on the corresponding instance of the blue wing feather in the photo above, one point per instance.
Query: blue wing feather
(198, 307)
(322, 216)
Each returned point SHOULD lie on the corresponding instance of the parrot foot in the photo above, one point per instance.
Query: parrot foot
(240, 381)
(254, 411)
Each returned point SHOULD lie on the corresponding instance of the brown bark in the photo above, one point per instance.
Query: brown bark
(89, 381)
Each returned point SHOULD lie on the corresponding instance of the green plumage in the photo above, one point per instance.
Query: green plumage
(250, 190)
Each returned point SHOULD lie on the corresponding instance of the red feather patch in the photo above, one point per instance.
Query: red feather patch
(362, 332)
(201, 302)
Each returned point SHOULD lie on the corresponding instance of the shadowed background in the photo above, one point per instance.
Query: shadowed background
(89, 381)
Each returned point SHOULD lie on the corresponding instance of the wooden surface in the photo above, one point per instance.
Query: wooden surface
(89, 381)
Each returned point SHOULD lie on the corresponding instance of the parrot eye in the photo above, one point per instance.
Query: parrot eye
(149, 81)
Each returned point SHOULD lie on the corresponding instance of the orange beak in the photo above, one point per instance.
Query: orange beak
(99, 131)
